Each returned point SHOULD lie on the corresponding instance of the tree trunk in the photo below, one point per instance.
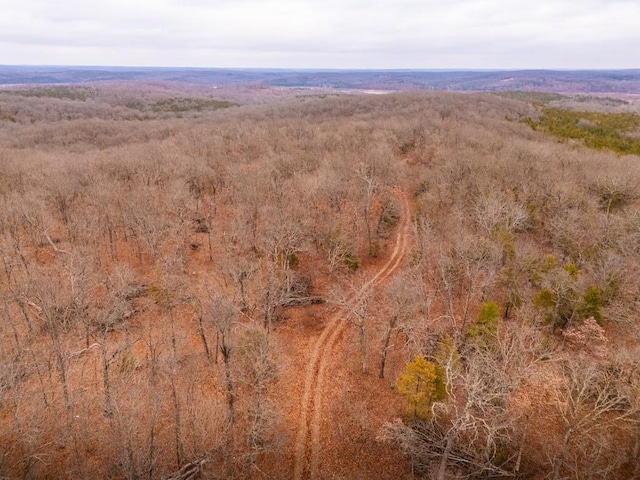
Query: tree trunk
(131, 458)
(467, 303)
(42, 389)
(267, 308)
(217, 349)
(105, 381)
(25, 315)
(63, 371)
(210, 246)
(152, 445)
(442, 470)
(178, 420)
(367, 223)
(363, 347)
(203, 337)
(634, 457)
(385, 348)
(563, 451)
(243, 299)
(394, 360)
(226, 356)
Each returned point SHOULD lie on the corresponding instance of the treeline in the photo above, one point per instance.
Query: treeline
(28, 105)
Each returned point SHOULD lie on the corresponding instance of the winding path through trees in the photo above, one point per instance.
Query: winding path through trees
(307, 446)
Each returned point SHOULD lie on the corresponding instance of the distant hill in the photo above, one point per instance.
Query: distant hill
(582, 81)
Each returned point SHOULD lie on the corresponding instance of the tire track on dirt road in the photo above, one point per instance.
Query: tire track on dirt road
(307, 446)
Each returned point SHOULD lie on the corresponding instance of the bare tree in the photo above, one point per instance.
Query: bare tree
(148, 222)
(257, 368)
(60, 307)
(493, 211)
(466, 273)
(401, 302)
(221, 314)
(369, 189)
(591, 399)
(199, 315)
(356, 302)
(238, 265)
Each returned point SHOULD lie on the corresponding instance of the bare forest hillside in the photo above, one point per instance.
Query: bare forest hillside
(262, 283)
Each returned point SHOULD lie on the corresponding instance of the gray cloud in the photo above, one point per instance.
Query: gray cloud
(329, 33)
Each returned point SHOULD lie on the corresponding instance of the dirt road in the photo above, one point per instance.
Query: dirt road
(307, 446)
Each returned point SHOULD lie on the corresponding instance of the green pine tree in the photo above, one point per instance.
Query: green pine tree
(422, 384)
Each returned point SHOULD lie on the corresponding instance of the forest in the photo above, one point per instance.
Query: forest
(265, 283)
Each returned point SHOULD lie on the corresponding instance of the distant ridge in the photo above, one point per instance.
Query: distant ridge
(559, 81)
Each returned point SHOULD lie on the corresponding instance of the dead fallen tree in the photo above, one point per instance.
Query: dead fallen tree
(427, 442)
(300, 301)
(190, 471)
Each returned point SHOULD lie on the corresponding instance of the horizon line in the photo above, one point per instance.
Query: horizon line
(325, 69)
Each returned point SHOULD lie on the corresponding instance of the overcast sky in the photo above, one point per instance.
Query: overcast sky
(323, 33)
